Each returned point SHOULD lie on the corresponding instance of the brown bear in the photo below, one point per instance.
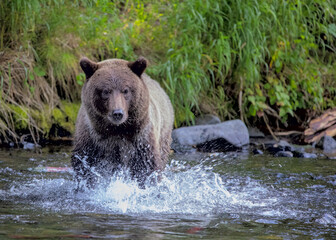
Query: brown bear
(124, 122)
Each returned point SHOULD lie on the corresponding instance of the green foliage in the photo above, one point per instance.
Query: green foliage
(245, 57)
(224, 45)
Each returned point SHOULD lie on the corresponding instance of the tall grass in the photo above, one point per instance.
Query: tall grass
(238, 59)
(269, 52)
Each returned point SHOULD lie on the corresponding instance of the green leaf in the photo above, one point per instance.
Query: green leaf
(267, 86)
(282, 112)
(278, 66)
(252, 110)
(251, 99)
(332, 29)
(39, 71)
(261, 105)
(293, 84)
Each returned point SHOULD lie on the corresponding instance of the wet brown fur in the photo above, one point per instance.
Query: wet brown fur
(140, 142)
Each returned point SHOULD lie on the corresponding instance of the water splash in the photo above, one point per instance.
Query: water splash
(180, 190)
(183, 189)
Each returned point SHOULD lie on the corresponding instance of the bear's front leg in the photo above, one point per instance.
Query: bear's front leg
(144, 162)
(83, 171)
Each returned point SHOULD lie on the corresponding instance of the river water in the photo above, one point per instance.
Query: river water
(209, 196)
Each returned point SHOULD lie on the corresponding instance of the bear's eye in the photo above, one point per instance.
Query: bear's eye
(105, 94)
(125, 91)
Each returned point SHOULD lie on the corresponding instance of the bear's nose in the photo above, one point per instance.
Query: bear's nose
(118, 114)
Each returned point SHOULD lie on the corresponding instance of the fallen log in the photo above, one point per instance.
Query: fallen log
(324, 125)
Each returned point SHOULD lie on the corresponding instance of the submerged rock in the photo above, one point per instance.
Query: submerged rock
(309, 155)
(285, 149)
(225, 136)
(284, 154)
(257, 152)
(275, 147)
(300, 153)
(329, 144)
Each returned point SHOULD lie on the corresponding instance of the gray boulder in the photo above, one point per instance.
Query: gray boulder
(329, 144)
(225, 136)
(329, 147)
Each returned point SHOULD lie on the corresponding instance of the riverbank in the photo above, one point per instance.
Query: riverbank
(269, 64)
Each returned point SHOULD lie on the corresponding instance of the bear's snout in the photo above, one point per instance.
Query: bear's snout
(118, 114)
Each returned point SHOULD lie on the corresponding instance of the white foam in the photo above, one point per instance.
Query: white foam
(183, 189)
(194, 190)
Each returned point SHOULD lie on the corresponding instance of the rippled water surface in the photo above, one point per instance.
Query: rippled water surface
(209, 196)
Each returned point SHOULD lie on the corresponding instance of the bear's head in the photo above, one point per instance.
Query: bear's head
(114, 93)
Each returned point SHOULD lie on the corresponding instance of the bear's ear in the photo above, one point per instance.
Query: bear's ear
(89, 67)
(138, 66)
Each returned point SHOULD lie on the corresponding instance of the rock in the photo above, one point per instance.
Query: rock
(284, 154)
(329, 144)
(331, 156)
(257, 152)
(326, 219)
(285, 145)
(216, 145)
(207, 119)
(182, 149)
(274, 147)
(285, 149)
(300, 153)
(223, 136)
(255, 133)
(309, 155)
(318, 144)
(30, 146)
